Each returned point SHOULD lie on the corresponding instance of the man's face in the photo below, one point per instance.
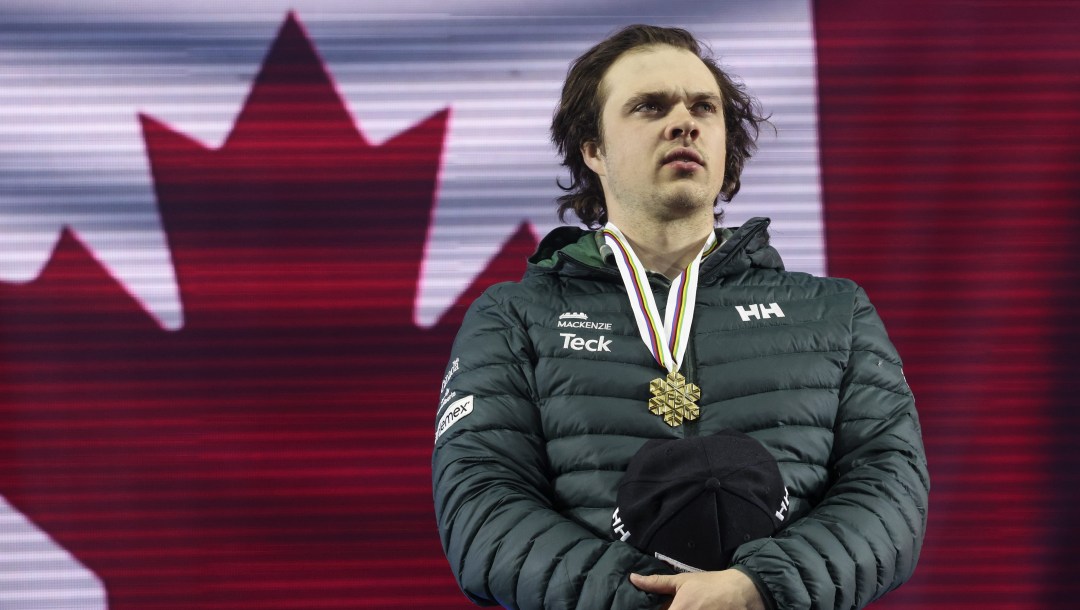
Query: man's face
(662, 149)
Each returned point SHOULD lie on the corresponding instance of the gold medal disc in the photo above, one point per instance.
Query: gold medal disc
(674, 399)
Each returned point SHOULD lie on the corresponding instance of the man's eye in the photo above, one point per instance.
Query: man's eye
(647, 107)
(706, 107)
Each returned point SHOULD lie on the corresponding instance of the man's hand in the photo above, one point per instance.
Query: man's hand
(726, 590)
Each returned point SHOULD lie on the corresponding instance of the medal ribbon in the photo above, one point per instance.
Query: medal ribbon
(667, 338)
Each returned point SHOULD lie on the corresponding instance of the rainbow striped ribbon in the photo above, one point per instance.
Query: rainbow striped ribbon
(665, 339)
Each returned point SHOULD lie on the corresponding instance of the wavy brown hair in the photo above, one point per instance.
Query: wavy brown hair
(577, 118)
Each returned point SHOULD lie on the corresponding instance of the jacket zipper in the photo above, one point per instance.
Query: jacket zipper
(690, 363)
(690, 366)
(741, 244)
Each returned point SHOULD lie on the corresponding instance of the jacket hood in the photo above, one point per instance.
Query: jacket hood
(575, 252)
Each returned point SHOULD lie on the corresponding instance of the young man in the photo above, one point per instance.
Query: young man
(660, 326)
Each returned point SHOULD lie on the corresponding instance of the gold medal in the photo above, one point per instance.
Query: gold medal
(674, 399)
(666, 338)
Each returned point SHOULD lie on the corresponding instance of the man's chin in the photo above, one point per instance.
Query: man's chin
(686, 203)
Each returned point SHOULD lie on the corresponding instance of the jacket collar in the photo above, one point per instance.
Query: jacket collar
(575, 252)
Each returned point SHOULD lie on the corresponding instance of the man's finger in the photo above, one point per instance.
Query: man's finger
(656, 583)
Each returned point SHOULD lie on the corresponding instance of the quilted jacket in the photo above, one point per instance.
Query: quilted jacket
(545, 402)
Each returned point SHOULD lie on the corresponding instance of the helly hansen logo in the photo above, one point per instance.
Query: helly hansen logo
(618, 526)
(759, 312)
(784, 505)
(576, 343)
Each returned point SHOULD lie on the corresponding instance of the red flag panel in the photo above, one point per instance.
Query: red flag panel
(949, 148)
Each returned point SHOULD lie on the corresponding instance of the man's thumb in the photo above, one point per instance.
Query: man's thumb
(655, 583)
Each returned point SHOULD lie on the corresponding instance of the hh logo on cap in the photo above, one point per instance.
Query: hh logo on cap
(618, 526)
(780, 514)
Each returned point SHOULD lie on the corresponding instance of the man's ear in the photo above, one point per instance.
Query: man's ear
(593, 156)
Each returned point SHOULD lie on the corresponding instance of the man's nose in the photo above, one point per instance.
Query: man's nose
(682, 124)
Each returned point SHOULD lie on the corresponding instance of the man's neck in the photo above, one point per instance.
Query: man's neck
(668, 247)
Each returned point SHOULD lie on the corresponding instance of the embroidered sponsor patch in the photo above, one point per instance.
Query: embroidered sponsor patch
(576, 343)
(455, 366)
(455, 412)
(578, 319)
(759, 311)
(446, 397)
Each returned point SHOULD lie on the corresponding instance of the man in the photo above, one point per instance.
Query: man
(659, 326)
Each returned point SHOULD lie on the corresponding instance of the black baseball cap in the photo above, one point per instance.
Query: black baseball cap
(692, 501)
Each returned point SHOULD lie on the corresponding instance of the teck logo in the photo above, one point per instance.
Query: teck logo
(576, 343)
(759, 312)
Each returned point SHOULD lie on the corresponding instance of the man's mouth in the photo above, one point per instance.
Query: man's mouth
(685, 159)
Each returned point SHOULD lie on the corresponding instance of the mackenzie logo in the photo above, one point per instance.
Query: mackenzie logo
(578, 319)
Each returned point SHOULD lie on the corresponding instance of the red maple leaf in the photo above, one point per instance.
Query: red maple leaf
(275, 451)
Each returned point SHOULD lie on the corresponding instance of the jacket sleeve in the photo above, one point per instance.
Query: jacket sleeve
(863, 539)
(506, 542)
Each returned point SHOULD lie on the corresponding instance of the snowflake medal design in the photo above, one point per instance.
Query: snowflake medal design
(674, 399)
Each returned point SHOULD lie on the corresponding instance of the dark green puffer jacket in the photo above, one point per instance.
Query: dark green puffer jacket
(534, 435)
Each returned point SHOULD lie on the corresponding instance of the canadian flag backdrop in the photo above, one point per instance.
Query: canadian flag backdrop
(236, 242)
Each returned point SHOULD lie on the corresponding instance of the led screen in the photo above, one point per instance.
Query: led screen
(236, 241)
